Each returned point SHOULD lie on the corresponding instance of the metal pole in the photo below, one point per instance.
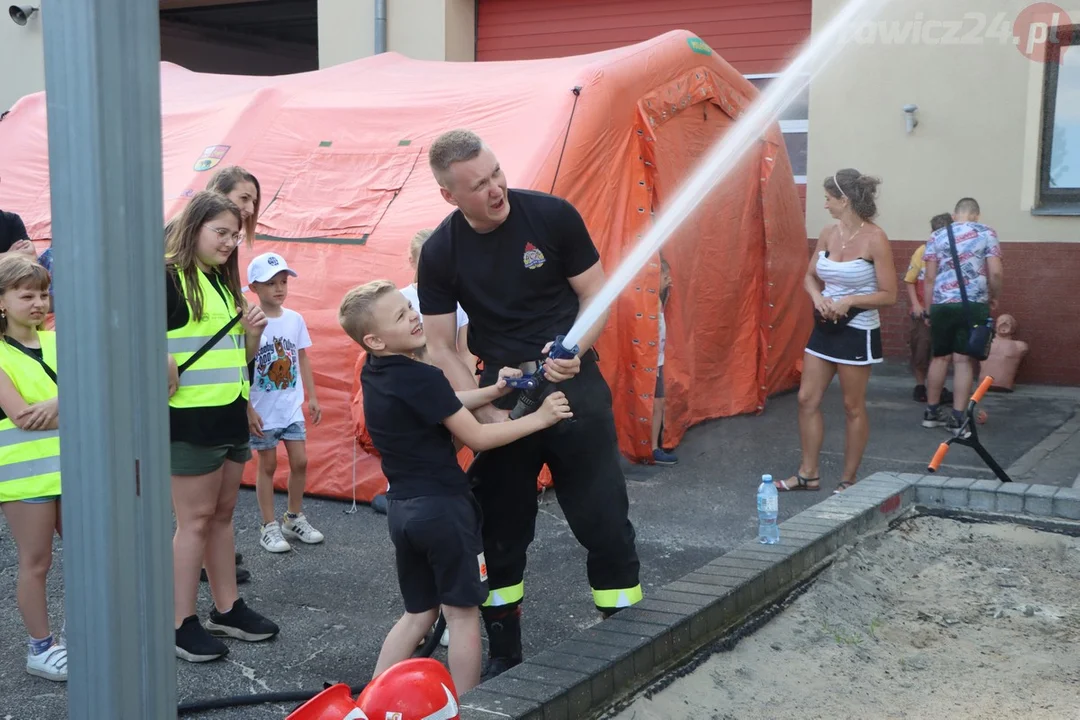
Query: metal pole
(380, 26)
(103, 96)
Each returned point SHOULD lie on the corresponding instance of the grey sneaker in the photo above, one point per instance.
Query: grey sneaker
(956, 427)
(936, 418)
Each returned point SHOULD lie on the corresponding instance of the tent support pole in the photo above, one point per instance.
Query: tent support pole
(102, 78)
(380, 26)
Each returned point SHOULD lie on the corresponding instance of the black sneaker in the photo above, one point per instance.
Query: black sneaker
(919, 394)
(497, 666)
(242, 623)
(378, 503)
(243, 575)
(196, 645)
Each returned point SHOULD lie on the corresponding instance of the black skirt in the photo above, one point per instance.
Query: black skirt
(848, 346)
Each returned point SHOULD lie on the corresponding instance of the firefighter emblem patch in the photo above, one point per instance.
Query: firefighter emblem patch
(533, 257)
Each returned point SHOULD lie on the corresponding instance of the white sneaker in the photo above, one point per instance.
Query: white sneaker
(445, 639)
(272, 540)
(300, 529)
(51, 664)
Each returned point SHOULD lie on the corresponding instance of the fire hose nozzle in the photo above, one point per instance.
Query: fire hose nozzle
(535, 387)
(560, 352)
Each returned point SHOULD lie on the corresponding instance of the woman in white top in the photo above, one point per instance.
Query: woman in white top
(850, 276)
(409, 291)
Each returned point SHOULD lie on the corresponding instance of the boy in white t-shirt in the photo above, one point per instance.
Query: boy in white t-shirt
(280, 373)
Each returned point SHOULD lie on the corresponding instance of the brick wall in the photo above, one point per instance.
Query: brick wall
(1042, 291)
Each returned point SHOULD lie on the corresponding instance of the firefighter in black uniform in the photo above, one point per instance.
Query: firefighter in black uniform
(523, 266)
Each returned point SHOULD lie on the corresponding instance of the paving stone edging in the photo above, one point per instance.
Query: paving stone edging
(588, 672)
(992, 496)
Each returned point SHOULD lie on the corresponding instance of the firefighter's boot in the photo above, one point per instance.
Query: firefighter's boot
(504, 639)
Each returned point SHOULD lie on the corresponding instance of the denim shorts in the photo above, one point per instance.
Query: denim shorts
(271, 438)
(40, 500)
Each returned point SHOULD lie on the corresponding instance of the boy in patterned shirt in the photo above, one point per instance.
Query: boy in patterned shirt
(981, 272)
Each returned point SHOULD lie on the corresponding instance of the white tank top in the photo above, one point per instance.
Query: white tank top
(853, 277)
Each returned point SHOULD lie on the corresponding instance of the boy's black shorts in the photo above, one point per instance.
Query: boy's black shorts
(439, 551)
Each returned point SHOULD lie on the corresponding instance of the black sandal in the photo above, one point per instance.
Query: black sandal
(802, 484)
(842, 487)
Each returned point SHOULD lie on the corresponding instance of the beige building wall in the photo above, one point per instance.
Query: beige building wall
(979, 119)
(22, 56)
(421, 29)
(460, 30)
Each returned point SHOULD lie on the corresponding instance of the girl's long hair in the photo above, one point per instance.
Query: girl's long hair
(183, 239)
(225, 180)
(21, 271)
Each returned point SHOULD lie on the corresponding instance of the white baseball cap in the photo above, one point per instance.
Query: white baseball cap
(264, 267)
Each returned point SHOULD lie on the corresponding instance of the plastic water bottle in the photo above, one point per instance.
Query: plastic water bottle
(768, 505)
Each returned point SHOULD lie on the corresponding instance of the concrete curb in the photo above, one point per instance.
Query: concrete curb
(598, 666)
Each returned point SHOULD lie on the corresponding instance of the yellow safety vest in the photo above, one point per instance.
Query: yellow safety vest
(29, 459)
(220, 376)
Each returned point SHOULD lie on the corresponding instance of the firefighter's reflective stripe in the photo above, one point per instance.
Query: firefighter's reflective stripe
(508, 595)
(621, 598)
(29, 459)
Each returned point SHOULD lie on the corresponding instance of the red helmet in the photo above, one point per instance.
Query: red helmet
(333, 703)
(416, 689)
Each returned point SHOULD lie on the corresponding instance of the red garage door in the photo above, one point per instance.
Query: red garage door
(755, 36)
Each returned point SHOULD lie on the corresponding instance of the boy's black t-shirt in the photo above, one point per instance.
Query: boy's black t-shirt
(12, 230)
(405, 403)
(512, 281)
(211, 426)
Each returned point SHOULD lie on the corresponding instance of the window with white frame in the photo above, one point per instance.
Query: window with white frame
(794, 123)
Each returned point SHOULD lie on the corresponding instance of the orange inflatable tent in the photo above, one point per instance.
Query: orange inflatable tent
(341, 157)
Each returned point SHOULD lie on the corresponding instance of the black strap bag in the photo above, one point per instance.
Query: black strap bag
(980, 336)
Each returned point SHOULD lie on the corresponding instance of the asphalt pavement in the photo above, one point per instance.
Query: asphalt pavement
(336, 601)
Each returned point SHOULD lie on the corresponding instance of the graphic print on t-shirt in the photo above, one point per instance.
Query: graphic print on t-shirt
(277, 388)
(533, 257)
(276, 365)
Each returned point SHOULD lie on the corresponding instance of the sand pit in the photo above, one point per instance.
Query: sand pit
(934, 619)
